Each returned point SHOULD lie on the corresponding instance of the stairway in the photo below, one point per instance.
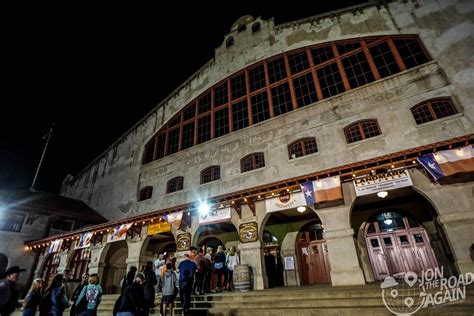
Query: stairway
(299, 301)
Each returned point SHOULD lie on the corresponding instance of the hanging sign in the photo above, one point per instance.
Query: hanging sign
(183, 242)
(284, 201)
(215, 216)
(84, 240)
(156, 228)
(393, 179)
(248, 232)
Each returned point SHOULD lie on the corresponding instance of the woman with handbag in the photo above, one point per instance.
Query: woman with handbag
(219, 268)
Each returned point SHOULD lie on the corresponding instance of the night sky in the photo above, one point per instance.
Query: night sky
(95, 71)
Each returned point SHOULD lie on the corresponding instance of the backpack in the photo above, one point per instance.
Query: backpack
(45, 304)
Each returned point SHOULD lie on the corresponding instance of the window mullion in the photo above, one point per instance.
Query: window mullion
(213, 95)
(229, 106)
(430, 108)
(368, 56)
(345, 81)
(249, 103)
(395, 53)
(319, 92)
(290, 82)
(269, 94)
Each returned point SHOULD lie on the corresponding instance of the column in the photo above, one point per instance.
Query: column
(134, 252)
(95, 265)
(251, 254)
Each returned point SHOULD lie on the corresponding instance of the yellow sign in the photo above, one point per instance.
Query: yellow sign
(159, 227)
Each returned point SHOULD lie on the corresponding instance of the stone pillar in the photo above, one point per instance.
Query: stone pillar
(288, 249)
(251, 254)
(345, 268)
(94, 265)
(63, 261)
(134, 250)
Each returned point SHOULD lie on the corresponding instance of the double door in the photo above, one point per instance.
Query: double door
(314, 262)
(400, 251)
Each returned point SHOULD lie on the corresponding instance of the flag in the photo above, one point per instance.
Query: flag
(328, 189)
(84, 240)
(448, 162)
(174, 218)
(308, 192)
(119, 233)
(55, 246)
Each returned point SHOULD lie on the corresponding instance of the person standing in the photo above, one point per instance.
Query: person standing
(132, 302)
(232, 259)
(77, 291)
(208, 271)
(186, 269)
(54, 300)
(8, 291)
(200, 261)
(129, 278)
(33, 298)
(270, 267)
(159, 263)
(219, 269)
(149, 285)
(170, 287)
(92, 293)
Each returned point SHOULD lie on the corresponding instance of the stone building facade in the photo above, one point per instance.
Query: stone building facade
(358, 91)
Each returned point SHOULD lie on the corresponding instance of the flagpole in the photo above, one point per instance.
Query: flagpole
(32, 188)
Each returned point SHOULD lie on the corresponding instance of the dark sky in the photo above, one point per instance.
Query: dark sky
(96, 71)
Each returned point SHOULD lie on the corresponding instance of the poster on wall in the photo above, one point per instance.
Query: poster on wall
(156, 228)
(285, 200)
(85, 240)
(248, 232)
(289, 263)
(55, 246)
(215, 216)
(119, 233)
(183, 242)
(390, 180)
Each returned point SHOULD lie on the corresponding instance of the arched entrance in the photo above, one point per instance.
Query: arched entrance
(115, 266)
(50, 267)
(399, 233)
(79, 263)
(313, 254)
(162, 243)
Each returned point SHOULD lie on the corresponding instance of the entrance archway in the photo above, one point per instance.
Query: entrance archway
(397, 244)
(50, 267)
(162, 243)
(79, 263)
(313, 256)
(115, 266)
(398, 234)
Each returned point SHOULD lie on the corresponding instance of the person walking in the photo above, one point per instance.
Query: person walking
(170, 289)
(77, 291)
(149, 286)
(186, 269)
(208, 271)
(8, 290)
(132, 302)
(129, 278)
(159, 263)
(92, 293)
(33, 298)
(54, 300)
(200, 261)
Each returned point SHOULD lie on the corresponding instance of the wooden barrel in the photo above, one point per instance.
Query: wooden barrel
(242, 280)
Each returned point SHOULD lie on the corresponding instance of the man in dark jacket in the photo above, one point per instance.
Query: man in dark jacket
(77, 291)
(8, 291)
(132, 299)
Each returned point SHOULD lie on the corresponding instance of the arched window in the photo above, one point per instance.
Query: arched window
(3, 263)
(252, 161)
(256, 27)
(51, 265)
(242, 28)
(302, 147)
(145, 193)
(362, 130)
(174, 185)
(80, 263)
(211, 173)
(433, 109)
(229, 42)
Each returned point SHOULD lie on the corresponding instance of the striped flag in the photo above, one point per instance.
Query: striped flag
(448, 162)
(327, 189)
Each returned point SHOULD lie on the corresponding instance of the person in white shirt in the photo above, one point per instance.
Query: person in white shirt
(159, 263)
(232, 260)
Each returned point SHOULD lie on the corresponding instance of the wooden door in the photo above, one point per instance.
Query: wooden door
(314, 262)
(377, 257)
(423, 250)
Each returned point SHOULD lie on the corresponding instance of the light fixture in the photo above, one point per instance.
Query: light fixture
(301, 209)
(204, 208)
(382, 194)
(388, 221)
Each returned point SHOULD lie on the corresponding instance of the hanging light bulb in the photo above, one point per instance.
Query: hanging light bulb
(301, 209)
(382, 194)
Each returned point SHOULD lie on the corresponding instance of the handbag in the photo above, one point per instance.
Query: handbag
(218, 265)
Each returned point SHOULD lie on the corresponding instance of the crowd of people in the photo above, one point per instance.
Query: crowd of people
(51, 300)
(192, 276)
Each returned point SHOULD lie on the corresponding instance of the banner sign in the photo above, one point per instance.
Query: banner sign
(183, 242)
(175, 219)
(156, 228)
(119, 233)
(84, 240)
(284, 201)
(393, 179)
(248, 232)
(215, 216)
(55, 246)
